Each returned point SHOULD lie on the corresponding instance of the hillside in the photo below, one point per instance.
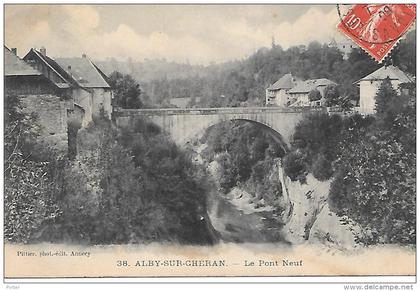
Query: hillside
(242, 83)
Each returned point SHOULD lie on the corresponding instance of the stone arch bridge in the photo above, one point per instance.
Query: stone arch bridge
(184, 124)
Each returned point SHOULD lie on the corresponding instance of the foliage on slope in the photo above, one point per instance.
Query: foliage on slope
(243, 83)
(30, 178)
(371, 161)
(126, 186)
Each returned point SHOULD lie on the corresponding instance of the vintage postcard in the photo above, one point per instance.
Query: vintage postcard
(218, 141)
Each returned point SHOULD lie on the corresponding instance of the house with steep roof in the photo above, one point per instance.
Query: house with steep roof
(299, 94)
(80, 77)
(90, 78)
(22, 79)
(49, 69)
(369, 86)
(48, 99)
(277, 93)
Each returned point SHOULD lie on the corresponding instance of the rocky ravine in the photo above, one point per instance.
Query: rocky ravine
(309, 218)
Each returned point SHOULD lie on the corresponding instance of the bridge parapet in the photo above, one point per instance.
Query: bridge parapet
(211, 111)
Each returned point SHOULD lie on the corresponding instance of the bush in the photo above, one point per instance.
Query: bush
(332, 96)
(316, 139)
(294, 166)
(314, 95)
(31, 184)
(229, 172)
(321, 168)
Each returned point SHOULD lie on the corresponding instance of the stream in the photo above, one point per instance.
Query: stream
(238, 226)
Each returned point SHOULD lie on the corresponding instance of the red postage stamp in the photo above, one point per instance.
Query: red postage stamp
(377, 27)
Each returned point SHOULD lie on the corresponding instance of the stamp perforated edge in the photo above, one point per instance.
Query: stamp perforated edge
(402, 37)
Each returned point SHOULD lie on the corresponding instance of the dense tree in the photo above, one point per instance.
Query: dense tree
(345, 100)
(404, 54)
(315, 140)
(332, 96)
(385, 95)
(314, 95)
(375, 176)
(126, 91)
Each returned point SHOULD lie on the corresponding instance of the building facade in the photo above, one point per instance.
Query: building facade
(290, 92)
(91, 79)
(299, 95)
(369, 86)
(277, 94)
(41, 96)
(80, 78)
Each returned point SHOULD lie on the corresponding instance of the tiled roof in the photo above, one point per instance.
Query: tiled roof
(13, 66)
(390, 72)
(63, 76)
(84, 72)
(285, 82)
(309, 85)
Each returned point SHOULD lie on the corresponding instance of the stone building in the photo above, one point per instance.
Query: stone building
(277, 94)
(288, 91)
(369, 86)
(89, 78)
(299, 94)
(80, 78)
(38, 94)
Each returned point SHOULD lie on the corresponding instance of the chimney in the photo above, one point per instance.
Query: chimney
(43, 51)
(14, 51)
(69, 67)
(84, 56)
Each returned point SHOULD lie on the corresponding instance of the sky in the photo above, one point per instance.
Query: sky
(199, 34)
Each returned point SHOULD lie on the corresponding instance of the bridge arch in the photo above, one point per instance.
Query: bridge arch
(184, 124)
(275, 135)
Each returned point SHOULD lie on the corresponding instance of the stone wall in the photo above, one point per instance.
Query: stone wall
(52, 117)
